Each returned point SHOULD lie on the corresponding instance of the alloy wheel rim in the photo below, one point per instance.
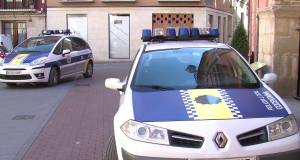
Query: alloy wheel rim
(90, 69)
(55, 76)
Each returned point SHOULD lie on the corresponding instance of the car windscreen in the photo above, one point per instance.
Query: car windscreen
(191, 68)
(37, 44)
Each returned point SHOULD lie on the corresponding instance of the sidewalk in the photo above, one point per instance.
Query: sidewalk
(294, 105)
(82, 123)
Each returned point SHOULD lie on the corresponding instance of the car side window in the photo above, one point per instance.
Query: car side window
(58, 48)
(67, 44)
(78, 44)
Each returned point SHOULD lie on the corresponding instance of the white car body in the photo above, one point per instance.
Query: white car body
(69, 63)
(128, 148)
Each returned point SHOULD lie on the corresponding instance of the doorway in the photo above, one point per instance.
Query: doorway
(16, 29)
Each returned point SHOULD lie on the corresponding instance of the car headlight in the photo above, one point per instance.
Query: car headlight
(285, 127)
(38, 61)
(144, 132)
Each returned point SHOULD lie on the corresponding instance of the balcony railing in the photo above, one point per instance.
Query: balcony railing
(15, 4)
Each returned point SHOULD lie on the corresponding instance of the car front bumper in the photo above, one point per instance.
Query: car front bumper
(209, 150)
(27, 74)
(289, 155)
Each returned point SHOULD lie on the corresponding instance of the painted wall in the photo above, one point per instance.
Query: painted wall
(140, 18)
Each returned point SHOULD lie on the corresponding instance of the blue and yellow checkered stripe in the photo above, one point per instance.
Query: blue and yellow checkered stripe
(226, 109)
(188, 103)
(231, 105)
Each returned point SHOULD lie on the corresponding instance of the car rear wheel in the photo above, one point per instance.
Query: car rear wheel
(11, 84)
(110, 151)
(53, 77)
(89, 70)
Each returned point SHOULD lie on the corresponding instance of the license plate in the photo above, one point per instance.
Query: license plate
(13, 72)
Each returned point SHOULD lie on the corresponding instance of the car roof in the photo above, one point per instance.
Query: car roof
(185, 44)
(59, 35)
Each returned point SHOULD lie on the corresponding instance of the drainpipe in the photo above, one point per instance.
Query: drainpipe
(257, 38)
(298, 79)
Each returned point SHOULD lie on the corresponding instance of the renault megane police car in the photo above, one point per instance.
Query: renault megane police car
(199, 101)
(47, 58)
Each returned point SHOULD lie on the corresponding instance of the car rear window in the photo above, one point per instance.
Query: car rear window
(190, 68)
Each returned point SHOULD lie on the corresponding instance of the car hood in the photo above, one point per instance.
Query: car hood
(201, 104)
(23, 57)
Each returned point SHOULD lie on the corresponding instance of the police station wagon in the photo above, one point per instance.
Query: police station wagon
(198, 100)
(47, 58)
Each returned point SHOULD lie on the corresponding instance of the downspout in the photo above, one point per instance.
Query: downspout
(257, 37)
(298, 79)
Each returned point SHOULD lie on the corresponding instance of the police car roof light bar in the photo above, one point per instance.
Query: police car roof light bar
(49, 32)
(184, 34)
(171, 33)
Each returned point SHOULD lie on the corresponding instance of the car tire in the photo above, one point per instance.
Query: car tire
(89, 70)
(11, 84)
(110, 150)
(53, 77)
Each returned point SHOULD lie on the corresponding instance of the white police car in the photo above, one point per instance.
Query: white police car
(198, 101)
(47, 58)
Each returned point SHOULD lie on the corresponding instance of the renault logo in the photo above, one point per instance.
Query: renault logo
(221, 140)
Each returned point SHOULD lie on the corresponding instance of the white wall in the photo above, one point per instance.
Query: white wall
(140, 18)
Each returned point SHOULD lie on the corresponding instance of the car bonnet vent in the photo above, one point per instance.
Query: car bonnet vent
(185, 140)
(253, 137)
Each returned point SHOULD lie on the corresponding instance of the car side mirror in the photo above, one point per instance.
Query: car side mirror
(114, 83)
(269, 78)
(66, 51)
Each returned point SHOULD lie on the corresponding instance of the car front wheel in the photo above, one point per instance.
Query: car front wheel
(53, 77)
(89, 70)
(110, 151)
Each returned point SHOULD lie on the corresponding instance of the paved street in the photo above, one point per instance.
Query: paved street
(71, 121)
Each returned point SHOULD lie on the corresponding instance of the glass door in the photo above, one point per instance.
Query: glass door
(16, 30)
(119, 36)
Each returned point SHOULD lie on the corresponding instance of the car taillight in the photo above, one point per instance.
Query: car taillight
(2, 55)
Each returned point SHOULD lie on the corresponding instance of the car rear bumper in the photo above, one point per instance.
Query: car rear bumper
(290, 155)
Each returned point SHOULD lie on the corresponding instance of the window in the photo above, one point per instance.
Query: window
(58, 48)
(17, 31)
(77, 23)
(67, 44)
(210, 21)
(190, 68)
(37, 44)
(79, 44)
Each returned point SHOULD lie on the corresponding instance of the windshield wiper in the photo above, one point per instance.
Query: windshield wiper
(154, 87)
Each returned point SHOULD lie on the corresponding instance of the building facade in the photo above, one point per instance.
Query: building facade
(21, 19)
(113, 28)
(275, 40)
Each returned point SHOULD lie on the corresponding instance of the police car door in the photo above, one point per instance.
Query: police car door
(82, 53)
(68, 62)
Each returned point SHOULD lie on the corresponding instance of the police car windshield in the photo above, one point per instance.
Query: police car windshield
(190, 68)
(37, 44)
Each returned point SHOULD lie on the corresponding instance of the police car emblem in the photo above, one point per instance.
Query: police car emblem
(69, 59)
(221, 140)
(208, 99)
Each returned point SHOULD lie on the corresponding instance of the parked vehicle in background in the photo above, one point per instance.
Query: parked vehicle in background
(198, 100)
(47, 58)
(5, 40)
